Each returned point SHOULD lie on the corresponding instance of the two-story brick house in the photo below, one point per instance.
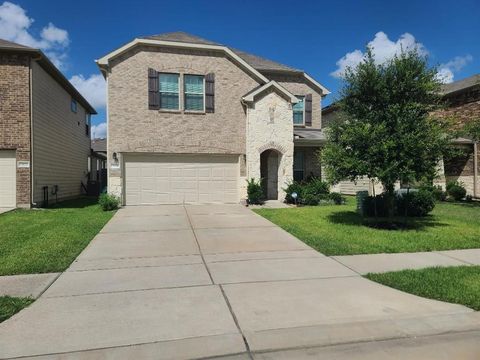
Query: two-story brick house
(44, 130)
(189, 120)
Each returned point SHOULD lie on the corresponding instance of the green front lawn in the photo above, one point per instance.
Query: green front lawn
(48, 240)
(460, 285)
(9, 306)
(339, 230)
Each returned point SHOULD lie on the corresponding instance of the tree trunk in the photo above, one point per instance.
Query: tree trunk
(406, 205)
(390, 200)
(375, 213)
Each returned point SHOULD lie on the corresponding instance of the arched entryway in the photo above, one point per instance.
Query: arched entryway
(269, 163)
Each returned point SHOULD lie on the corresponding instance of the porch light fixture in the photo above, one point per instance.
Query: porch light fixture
(294, 196)
(115, 159)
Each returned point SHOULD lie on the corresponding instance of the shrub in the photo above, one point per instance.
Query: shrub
(469, 198)
(109, 202)
(337, 198)
(435, 190)
(418, 203)
(311, 199)
(316, 187)
(379, 201)
(456, 190)
(293, 187)
(255, 192)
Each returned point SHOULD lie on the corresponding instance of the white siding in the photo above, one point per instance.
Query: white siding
(60, 144)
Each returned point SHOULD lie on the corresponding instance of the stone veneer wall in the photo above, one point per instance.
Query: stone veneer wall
(298, 85)
(269, 126)
(15, 117)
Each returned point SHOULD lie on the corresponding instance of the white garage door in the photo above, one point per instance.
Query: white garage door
(7, 178)
(176, 179)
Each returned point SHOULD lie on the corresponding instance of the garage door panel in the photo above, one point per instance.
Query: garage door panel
(153, 179)
(7, 178)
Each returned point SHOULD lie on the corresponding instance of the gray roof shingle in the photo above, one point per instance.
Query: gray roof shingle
(257, 62)
(309, 134)
(461, 84)
(44, 61)
(8, 45)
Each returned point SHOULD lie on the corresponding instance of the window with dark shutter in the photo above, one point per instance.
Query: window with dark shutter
(210, 93)
(153, 93)
(308, 110)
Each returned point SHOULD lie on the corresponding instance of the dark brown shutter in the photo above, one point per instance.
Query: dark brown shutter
(153, 90)
(210, 93)
(308, 110)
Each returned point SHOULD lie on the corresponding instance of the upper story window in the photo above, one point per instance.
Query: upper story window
(299, 111)
(73, 105)
(88, 119)
(169, 91)
(194, 91)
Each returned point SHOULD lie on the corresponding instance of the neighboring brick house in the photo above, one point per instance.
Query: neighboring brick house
(44, 130)
(190, 120)
(463, 105)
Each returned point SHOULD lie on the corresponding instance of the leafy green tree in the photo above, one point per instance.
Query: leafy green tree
(472, 129)
(386, 131)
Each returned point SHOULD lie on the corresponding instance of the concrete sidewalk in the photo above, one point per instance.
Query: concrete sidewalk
(29, 285)
(378, 263)
(184, 282)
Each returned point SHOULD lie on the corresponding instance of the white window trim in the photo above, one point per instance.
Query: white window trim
(178, 93)
(302, 98)
(185, 97)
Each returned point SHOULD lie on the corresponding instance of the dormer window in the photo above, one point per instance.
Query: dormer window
(299, 111)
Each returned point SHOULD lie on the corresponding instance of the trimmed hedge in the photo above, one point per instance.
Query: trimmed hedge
(415, 204)
(312, 192)
(456, 190)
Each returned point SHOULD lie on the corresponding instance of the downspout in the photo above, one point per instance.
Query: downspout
(243, 187)
(30, 85)
(33, 58)
(475, 169)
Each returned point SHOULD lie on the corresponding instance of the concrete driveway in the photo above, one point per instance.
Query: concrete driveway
(182, 282)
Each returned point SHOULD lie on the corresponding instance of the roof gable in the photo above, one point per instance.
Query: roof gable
(49, 67)
(255, 65)
(250, 97)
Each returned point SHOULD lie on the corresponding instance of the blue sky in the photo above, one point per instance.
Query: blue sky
(313, 36)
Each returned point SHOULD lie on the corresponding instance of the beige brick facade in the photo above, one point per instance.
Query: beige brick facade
(132, 127)
(15, 117)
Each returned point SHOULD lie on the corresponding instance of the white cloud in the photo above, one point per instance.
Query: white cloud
(446, 71)
(383, 49)
(99, 131)
(53, 35)
(92, 88)
(15, 25)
